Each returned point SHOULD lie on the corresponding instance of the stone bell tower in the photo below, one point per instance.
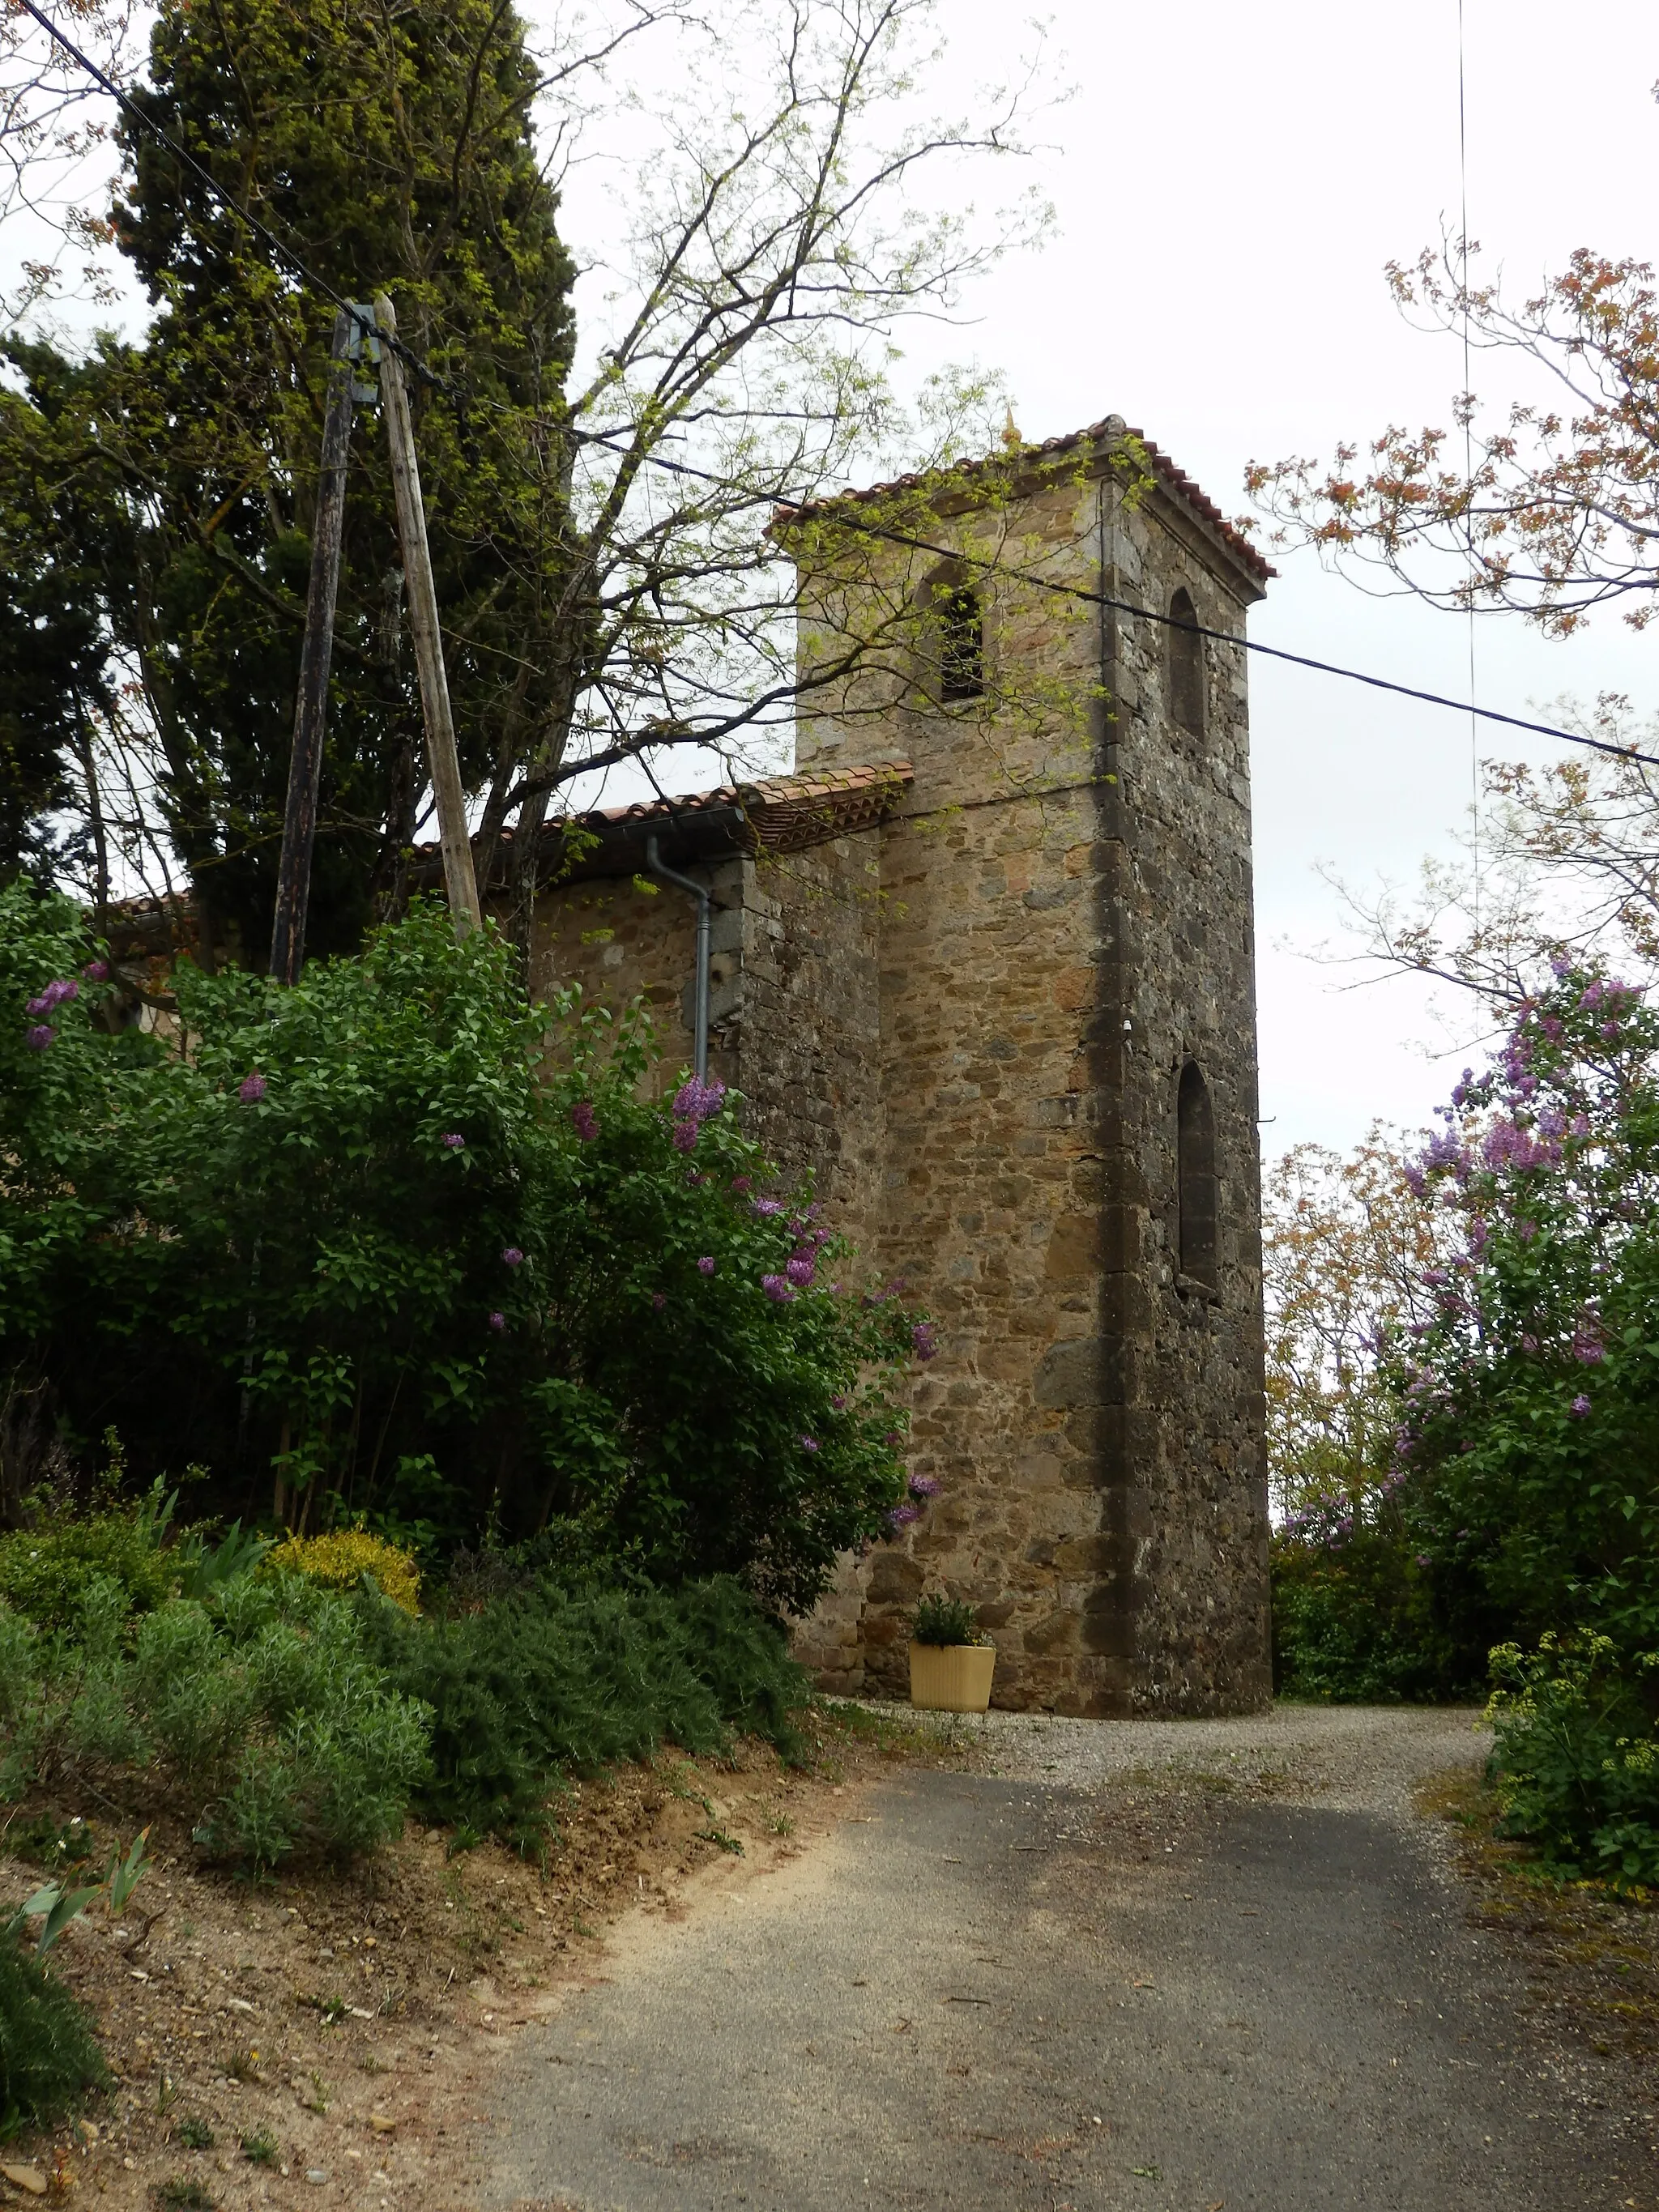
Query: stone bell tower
(984, 964)
(1068, 1081)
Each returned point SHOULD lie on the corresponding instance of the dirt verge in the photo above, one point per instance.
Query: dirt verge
(319, 2037)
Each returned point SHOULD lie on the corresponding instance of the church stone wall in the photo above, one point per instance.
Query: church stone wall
(971, 1023)
(1192, 1508)
(809, 1059)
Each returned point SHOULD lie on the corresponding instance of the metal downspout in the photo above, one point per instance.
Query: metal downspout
(653, 862)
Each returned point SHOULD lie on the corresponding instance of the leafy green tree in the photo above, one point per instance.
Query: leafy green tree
(1529, 1437)
(387, 147)
(396, 1243)
(610, 585)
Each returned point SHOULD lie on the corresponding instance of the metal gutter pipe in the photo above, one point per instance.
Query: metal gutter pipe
(654, 864)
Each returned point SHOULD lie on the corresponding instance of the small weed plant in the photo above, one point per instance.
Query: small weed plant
(49, 2056)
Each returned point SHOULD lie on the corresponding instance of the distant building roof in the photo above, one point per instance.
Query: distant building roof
(1110, 432)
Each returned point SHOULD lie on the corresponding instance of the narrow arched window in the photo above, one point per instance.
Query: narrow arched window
(1195, 1177)
(1186, 653)
(955, 630)
(961, 625)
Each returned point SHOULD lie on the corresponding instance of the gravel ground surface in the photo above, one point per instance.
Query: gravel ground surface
(1347, 1756)
(1187, 1967)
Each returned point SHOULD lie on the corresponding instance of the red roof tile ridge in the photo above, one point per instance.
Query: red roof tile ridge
(771, 791)
(1163, 467)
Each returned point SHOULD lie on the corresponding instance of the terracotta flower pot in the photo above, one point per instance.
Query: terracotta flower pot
(951, 1678)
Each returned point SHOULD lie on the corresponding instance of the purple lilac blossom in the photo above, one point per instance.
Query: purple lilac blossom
(808, 1444)
(839, 1401)
(251, 1088)
(498, 1321)
(685, 1136)
(512, 1257)
(706, 1265)
(778, 1288)
(657, 1301)
(452, 1142)
(40, 1037)
(1588, 1348)
(739, 1184)
(895, 1437)
(902, 1516)
(921, 1341)
(924, 1486)
(697, 1101)
(800, 1270)
(1579, 1407)
(584, 1120)
(766, 1207)
(96, 972)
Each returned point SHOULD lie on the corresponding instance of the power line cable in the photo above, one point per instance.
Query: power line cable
(1223, 637)
(295, 262)
(1468, 455)
(302, 269)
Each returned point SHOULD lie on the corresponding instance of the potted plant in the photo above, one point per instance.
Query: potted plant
(950, 1661)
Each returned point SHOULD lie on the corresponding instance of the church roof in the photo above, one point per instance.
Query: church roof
(774, 814)
(1111, 431)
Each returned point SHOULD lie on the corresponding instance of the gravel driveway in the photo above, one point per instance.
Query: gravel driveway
(1168, 1967)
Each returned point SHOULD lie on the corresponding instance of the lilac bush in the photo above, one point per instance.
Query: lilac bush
(1527, 1455)
(397, 1243)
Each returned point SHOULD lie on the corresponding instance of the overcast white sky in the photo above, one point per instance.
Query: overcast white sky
(1229, 184)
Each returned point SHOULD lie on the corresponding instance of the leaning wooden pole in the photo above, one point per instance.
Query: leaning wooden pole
(459, 880)
(305, 769)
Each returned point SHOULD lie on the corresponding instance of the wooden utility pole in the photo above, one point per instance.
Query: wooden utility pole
(459, 881)
(288, 935)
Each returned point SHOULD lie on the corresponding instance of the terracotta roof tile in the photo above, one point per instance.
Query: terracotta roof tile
(783, 812)
(1176, 479)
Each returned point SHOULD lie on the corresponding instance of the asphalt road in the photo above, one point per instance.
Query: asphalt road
(1147, 1993)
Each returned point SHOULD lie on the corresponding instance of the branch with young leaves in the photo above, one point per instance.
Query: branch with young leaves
(1551, 511)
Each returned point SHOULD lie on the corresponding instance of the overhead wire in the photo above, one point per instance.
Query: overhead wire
(296, 263)
(1468, 457)
(300, 268)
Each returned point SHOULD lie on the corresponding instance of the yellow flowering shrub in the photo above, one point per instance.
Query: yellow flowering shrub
(339, 1561)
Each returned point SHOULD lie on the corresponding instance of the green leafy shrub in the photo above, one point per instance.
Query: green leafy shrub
(1355, 1621)
(49, 2056)
(44, 1572)
(424, 1251)
(1528, 1452)
(553, 1680)
(1574, 1758)
(267, 1709)
(946, 1620)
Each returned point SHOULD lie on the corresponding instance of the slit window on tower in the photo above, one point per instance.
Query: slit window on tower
(1196, 1178)
(1186, 655)
(959, 621)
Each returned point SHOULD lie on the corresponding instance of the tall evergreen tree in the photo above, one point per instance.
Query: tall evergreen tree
(387, 148)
